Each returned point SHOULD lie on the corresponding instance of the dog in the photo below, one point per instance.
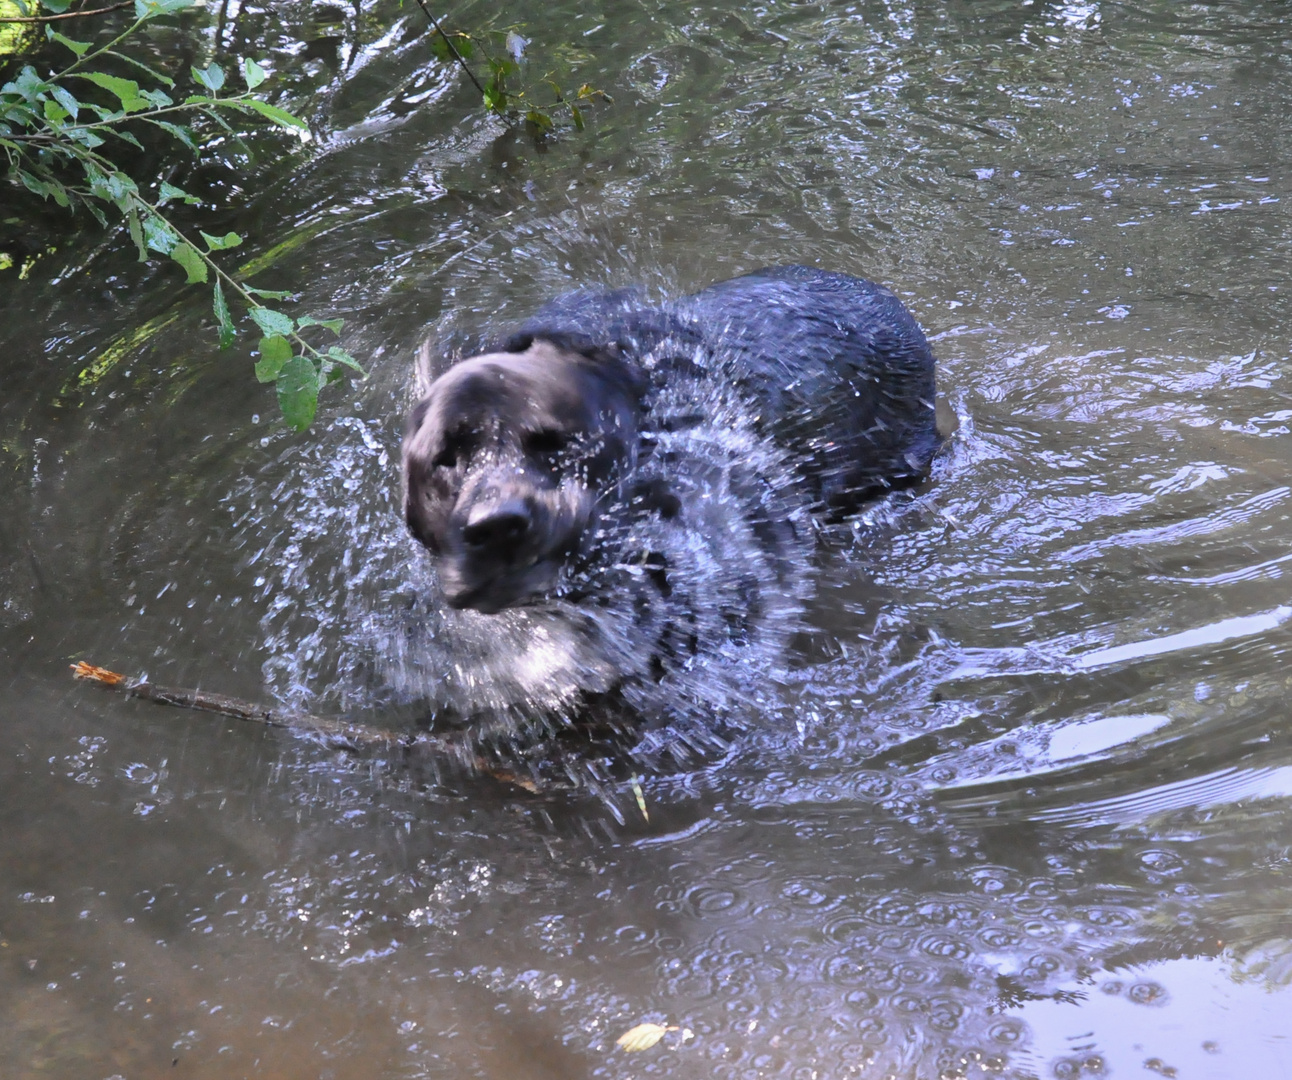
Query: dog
(678, 452)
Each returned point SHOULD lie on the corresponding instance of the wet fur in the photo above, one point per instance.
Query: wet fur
(637, 481)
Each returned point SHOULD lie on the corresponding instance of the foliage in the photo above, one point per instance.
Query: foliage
(64, 136)
(60, 135)
(500, 93)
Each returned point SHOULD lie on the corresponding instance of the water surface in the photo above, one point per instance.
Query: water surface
(1022, 806)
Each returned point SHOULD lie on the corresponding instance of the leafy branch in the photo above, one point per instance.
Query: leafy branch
(59, 7)
(512, 105)
(51, 139)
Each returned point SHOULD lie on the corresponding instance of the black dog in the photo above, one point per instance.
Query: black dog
(676, 451)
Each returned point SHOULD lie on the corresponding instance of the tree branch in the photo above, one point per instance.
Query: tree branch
(66, 14)
(452, 48)
(337, 734)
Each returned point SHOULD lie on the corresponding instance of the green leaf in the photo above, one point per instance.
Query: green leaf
(269, 294)
(159, 98)
(222, 316)
(90, 140)
(277, 115)
(221, 243)
(28, 85)
(253, 73)
(576, 114)
(137, 233)
(212, 78)
(46, 189)
(159, 236)
(540, 120)
(332, 324)
(495, 97)
(272, 322)
(38, 186)
(127, 90)
(298, 392)
(86, 137)
(442, 48)
(149, 9)
(64, 98)
(335, 352)
(78, 47)
(186, 255)
(182, 133)
(125, 58)
(114, 187)
(56, 6)
(55, 114)
(275, 351)
(170, 191)
(120, 186)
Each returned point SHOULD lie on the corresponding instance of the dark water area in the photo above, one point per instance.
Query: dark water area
(1022, 804)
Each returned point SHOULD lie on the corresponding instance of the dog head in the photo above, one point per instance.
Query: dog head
(507, 460)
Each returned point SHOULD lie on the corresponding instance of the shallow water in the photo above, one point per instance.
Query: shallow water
(1021, 807)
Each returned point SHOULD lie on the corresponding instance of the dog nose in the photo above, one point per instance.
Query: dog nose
(498, 525)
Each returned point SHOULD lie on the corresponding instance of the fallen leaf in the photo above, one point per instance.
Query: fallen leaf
(82, 670)
(641, 799)
(642, 1037)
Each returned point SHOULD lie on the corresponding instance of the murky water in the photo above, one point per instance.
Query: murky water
(1022, 805)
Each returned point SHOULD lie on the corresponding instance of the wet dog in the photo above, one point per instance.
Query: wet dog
(647, 474)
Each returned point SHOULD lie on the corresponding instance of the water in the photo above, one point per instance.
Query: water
(1019, 807)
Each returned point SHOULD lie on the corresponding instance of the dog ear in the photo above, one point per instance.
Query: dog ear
(414, 510)
(415, 418)
(415, 516)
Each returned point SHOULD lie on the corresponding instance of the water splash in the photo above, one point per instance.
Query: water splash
(672, 622)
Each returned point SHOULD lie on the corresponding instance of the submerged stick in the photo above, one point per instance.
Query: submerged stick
(335, 733)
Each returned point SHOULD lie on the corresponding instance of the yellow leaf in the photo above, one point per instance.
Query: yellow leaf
(641, 798)
(82, 670)
(642, 1037)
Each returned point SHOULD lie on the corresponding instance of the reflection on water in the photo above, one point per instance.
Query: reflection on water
(1020, 806)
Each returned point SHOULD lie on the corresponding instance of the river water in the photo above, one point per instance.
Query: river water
(1020, 806)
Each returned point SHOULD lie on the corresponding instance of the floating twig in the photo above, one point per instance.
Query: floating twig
(457, 748)
(340, 734)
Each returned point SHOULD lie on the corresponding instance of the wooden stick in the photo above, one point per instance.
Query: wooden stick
(334, 733)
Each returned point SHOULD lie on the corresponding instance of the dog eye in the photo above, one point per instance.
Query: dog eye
(456, 446)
